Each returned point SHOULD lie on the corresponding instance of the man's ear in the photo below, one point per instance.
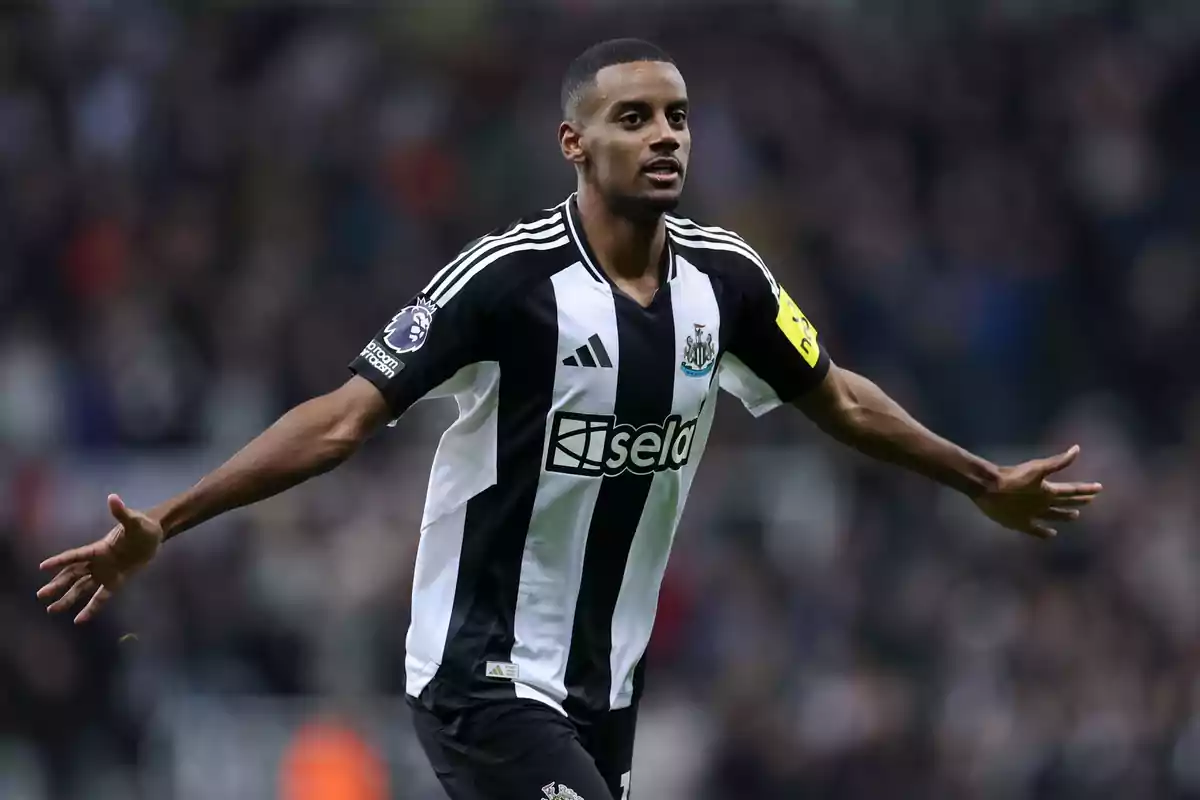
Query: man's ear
(570, 139)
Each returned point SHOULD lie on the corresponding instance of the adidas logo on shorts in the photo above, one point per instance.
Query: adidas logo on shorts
(502, 669)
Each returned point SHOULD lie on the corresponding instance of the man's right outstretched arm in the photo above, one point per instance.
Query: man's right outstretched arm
(312, 438)
(411, 357)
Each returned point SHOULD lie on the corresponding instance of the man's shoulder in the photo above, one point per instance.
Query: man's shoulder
(503, 259)
(718, 251)
(538, 226)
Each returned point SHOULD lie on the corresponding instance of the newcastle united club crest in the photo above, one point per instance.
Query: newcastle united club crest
(699, 353)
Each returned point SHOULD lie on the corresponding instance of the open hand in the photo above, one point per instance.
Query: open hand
(1026, 501)
(102, 567)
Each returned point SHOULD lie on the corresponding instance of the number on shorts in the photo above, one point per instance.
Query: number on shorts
(625, 785)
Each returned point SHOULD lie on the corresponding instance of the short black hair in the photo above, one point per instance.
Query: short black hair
(583, 69)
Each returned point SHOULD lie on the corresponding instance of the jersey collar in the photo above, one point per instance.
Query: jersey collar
(668, 270)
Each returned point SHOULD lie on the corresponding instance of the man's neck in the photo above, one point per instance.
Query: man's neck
(628, 250)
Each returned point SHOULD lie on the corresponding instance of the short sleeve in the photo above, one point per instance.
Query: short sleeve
(422, 347)
(773, 356)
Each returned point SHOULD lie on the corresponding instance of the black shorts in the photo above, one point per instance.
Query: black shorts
(525, 750)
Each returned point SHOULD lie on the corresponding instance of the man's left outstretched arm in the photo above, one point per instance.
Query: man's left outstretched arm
(856, 412)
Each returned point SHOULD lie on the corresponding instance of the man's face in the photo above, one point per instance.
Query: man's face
(630, 135)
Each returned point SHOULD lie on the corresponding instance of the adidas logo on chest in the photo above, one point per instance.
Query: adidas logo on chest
(592, 353)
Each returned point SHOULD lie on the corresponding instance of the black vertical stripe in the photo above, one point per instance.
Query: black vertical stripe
(601, 354)
(585, 357)
(639, 679)
(570, 361)
(497, 520)
(645, 385)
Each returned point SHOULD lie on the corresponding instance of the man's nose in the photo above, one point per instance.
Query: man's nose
(666, 137)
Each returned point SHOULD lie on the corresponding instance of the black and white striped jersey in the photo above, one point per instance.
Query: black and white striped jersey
(554, 498)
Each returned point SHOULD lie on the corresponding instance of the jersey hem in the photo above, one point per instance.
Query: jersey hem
(764, 406)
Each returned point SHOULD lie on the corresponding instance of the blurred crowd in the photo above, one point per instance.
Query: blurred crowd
(205, 214)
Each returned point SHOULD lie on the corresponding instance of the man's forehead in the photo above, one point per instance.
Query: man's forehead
(639, 80)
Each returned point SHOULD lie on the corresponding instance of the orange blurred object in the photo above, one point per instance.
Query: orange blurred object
(328, 760)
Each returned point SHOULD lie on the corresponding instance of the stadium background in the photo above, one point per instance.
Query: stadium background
(989, 207)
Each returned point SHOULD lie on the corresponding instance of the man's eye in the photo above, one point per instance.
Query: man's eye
(632, 118)
(678, 117)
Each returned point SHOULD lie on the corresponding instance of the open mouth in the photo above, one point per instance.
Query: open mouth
(663, 170)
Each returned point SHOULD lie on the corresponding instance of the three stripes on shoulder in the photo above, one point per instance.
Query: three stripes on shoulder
(705, 237)
(550, 232)
(540, 234)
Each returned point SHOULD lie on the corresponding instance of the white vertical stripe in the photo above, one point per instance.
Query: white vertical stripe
(692, 301)
(434, 582)
(552, 563)
(465, 462)
(465, 465)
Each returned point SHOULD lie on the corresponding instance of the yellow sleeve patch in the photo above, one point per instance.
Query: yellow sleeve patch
(799, 331)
